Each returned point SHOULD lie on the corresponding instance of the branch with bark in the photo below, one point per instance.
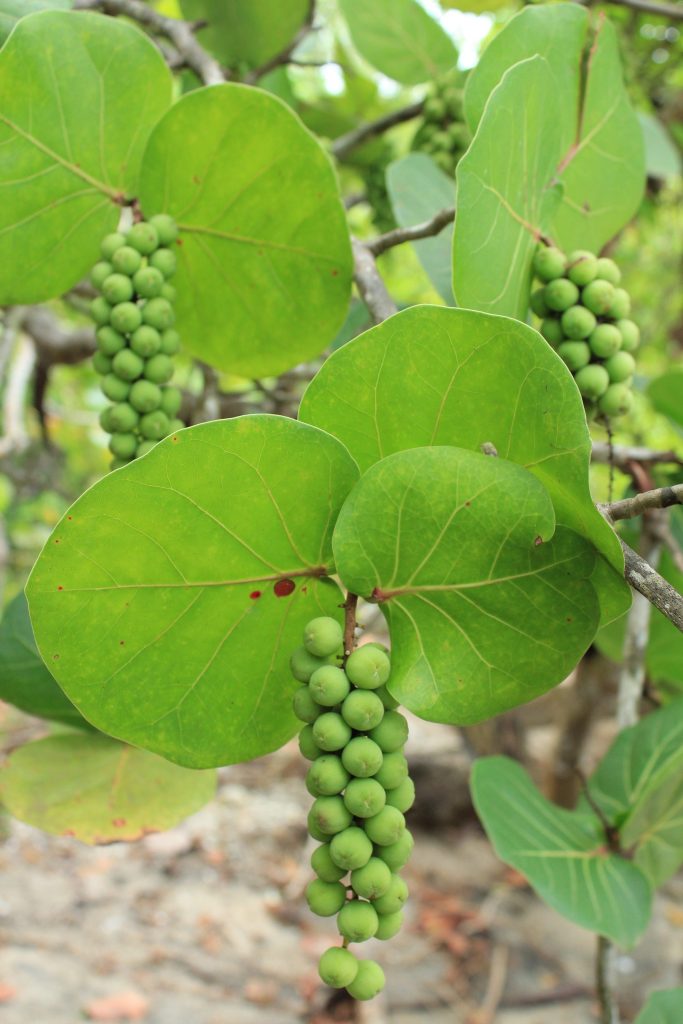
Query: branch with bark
(371, 287)
(344, 145)
(674, 12)
(284, 56)
(622, 456)
(659, 498)
(427, 229)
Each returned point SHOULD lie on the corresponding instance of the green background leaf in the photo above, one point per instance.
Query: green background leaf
(486, 609)
(12, 10)
(264, 271)
(173, 569)
(665, 394)
(69, 82)
(24, 679)
(662, 1008)
(562, 853)
(247, 33)
(98, 790)
(662, 155)
(418, 189)
(400, 39)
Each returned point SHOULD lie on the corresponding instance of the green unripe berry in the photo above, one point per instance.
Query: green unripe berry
(176, 425)
(560, 294)
(385, 828)
(143, 449)
(364, 798)
(582, 268)
(324, 866)
(126, 260)
(146, 341)
(117, 288)
(323, 636)
(368, 667)
(123, 446)
(143, 237)
(124, 417)
(373, 880)
(362, 709)
(607, 270)
(328, 775)
(100, 310)
(592, 381)
(159, 368)
(403, 796)
(338, 967)
(307, 745)
(154, 425)
(125, 318)
(551, 329)
(164, 260)
(106, 420)
(598, 296)
(127, 365)
(100, 272)
(538, 303)
(168, 292)
(393, 899)
(444, 161)
(170, 342)
(391, 733)
(171, 400)
(303, 705)
(110, 243)
(575, 354)
(325, 898)
(313, 829)
(357, 921)
(331, 731)
(616, 401)
(166, 228)
(435, 108)
(630, 335)
(549, 263)
(369, 981)
(389, 702)
(329, 685)
(148, 282)
(362, 757)
(605, 340)
(441, 140)
(389, 925)
(577, 323)
(109, 341)
(114, 388)
(302, 665)
(101, 363)
(620, 367)
(393, 771)
(397, 854)
(158, 313)
(621, 304)
(145, 396)
(351, 849)
(118, 464)
(459, 136)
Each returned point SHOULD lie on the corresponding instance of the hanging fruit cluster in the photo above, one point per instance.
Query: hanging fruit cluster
(585, 315)
(443, 134)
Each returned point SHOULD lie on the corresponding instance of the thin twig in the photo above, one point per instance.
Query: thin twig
(180, 33)
(350, 623)
(398, 236)
(54, 343)
(624, 455)
(604, 971)
(342, 146)
(627, 508)
(371, 287)
(16, 436)
(283, 57)
(663, 10)
(658, 591)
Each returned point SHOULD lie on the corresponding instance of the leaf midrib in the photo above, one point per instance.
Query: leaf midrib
(313, 572)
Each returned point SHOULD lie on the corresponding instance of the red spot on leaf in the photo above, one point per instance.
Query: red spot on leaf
(118, 822)
(60, 588)
(538, 542)
(255, 594)
(179, 241)
(283, 588)
(334, 273)
(304, 590)
(55, 657)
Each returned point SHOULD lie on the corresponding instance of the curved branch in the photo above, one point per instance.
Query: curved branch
(661, 497)
(342, 146)
(647, 581)
(622, 455)
(427, 229)
(371, 287)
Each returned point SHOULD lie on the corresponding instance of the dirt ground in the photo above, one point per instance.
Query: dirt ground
(206, 924)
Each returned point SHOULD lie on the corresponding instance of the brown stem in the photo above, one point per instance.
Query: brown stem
(342, 146)
(350, 605)
(398, 236)
(371, 287)
(660, 497)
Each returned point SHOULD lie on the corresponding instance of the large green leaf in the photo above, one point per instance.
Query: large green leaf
(169, 598)
(662, 155)
(562, 853)
(488, 606)
(99, 790)
(400, 39)
(24, 678)
(505, 197)
(12, 10)
(665, 394)
(249, 33)
(655, 827)
(467, 378)
(264, 273)
(662, 1008)
(80, 93)
(418, 189)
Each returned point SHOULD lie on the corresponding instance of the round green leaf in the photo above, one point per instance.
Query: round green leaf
(71, 145)
(250, 33)
(98, 790)
(662, 1008)
(264, 272)
(12, 10)
(486, 608)
(169, 598)
(24, 678)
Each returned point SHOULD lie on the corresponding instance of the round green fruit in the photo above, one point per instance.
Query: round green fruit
(314, 830)
(117, 288)
(100, 272)
(109, 341)
(598, 296)
(551, 329)
(170, 342)
(158, 313)
(605, 340)
(386, 827)
(145, 396)
(100, 310)
(620, 367)
(397, 854)
(176, 425)
(323, 636)
(592, 381)
(329, 685)
(621, 304)
(575, 354)
(630, 335)
(389, 702)
(616, 401)
(607, 270)
(328, 775)
(106, 421)
(577, 323)
(369, 981)
(373, 880)
(303, 705)
(114, 388)
(154, 425)
(101, 363)
(325, 898)
(538, 303)
(127, 365)
(166, 228)
(364, 798)
(146, 341)
(148, 282)
(338, 967)
(145, 447)
(362, 757)
(391, 733)
(118, 464)
(402, 797)
(331, 731)
(164, 260)
(307, 745)
(393, 771)
(362, 710)
(582, 267)
(124, 417)
(110, 243)
(159, 368)
(143, 237)
(351, 849)
(435, 108)
(549, 263)
(302, 665)
(171, 400)
(125, 318)
(123, 446)
(560, 294)
(168, 292)
(393, 899)
(389, 925)
(357, 921)
(126, 260)
(368, 667)
(324, 866)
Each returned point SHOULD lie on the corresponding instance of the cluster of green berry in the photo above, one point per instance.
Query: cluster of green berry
(373, 172)
(443, 133)
(359, 779)
(135, 336)
(585, 316)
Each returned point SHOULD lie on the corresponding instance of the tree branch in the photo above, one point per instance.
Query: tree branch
(398, 236)
(180, 33)
(342, 146)
(624, 455)
(370, 285)
(604, 971)
(16, 436)
(53, 343)
(284, 56)
(661, 497)
(672, 11)
(647, 581)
